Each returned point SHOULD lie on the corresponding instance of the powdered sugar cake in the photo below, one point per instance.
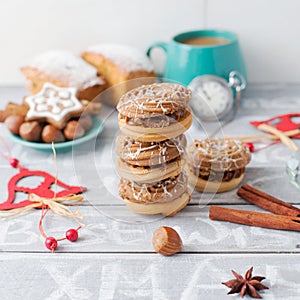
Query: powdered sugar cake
(63, 69)
(120, 64)
(127, 59)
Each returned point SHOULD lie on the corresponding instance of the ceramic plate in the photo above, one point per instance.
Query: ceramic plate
(66, 146)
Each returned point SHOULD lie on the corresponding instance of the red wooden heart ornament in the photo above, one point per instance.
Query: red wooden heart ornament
(283, 123)
(43, 189)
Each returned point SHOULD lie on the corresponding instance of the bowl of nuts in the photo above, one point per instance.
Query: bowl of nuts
(53, 115)
(62, 146)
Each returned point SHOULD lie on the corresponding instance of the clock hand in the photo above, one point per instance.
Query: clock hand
(206, 94)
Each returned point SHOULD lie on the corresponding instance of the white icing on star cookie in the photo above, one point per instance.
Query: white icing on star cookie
(54, 105)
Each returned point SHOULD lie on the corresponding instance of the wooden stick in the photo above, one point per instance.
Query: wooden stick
(267, 201)
(284, 139)
(251, 218)
(251, 138)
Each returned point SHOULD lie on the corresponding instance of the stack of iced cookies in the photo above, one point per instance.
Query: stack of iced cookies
(152, 119)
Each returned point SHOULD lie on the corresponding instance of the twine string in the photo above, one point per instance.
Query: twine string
(8, 155)
(56, 170)
(45, 210)
(55, 205)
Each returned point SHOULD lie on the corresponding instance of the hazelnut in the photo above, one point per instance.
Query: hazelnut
(51, 134)
(166, 241)
(86, 122)
(3, 115)
(13, 123)
(94, 108)
(31, 131)
(73, 130)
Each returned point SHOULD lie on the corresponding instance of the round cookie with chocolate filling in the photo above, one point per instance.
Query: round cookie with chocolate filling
(165, 197)
(146, 162)
(216, 165)
(155, 112)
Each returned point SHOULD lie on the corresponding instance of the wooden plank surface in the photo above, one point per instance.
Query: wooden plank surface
(114, 258)
(142, 276)
(116, 229)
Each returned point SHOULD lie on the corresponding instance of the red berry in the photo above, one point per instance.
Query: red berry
(250, 146)
(72, 235)
(14, 162)
(51, 243)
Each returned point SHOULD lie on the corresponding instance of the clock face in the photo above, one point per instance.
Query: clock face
(212, 98)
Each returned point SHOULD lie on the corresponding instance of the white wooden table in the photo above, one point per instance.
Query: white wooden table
(114, 258)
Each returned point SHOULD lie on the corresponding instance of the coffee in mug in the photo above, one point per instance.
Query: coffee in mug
(205, 41)
(201, 52)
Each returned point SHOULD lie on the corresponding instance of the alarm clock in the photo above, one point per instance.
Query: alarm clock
(213, 97)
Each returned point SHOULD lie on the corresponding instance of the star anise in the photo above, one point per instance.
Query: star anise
(248, 285)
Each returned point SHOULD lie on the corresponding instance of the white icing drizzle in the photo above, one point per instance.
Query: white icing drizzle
(65, 66)
(177, 186)
(222, 153)
(165, 97)
(127, 58)
(162, 147)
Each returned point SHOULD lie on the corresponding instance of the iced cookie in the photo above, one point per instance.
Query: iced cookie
(147, 162)
(166, 197)
(63, 69)
(53, 104)
(216, 165)
(156, 112)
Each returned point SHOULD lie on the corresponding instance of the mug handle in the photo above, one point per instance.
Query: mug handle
(161, 45)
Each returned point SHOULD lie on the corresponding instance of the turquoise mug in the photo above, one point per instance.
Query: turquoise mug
(184, 61)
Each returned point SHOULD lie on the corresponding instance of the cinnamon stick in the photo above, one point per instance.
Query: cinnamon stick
(257, 219)
(267, 201)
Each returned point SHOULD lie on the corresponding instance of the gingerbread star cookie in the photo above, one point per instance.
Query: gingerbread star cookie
(53, 104)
